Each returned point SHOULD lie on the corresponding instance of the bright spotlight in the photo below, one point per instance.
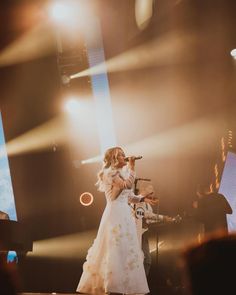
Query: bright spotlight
(143, 12)
(96, 159)
(60, 12)
(65, 79)
(69, 13)
(86, 199)
(233, 53)
(72, 105)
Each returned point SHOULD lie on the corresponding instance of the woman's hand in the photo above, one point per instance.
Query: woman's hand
(132, 162)
(151, 199)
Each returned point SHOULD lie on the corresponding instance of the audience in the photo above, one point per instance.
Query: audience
(209, 267)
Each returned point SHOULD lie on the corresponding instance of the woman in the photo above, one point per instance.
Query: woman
(114, 263)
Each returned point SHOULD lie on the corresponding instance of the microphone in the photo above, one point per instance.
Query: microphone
(143, 179)
(135, 158)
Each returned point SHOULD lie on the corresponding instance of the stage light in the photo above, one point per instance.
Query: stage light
(34, 44)
(154, 53)
(86, 199)
(40, 138)
(95, 159)
(72, 105)
(58, 11)
(74, 246)
(72, 14)
(174, 141)
(61, 12)
(143, 12)
(65, 79)
(233, 53)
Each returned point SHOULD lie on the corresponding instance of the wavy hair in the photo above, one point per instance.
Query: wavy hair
(110, 160)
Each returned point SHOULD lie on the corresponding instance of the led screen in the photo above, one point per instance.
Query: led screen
(7, 200)
(228, 188)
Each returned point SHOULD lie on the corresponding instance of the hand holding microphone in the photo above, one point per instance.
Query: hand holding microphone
(131, 161)
(127, 159)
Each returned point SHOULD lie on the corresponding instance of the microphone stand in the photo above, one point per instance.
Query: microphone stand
(135, 186)
(136, 191)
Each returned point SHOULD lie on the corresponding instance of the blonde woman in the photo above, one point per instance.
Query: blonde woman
(114, 263)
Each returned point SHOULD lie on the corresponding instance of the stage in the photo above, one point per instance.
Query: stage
(46, 293)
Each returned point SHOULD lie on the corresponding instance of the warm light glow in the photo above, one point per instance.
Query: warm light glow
(100, 87)
(73, 246)
(143, 12)
(61, 12)
(36, 43)
(86, 199)
(211, 188)
(40, 138)
(72, 105)
(216, 170)
(96, 159)
(179, 140)
(222, 143)
(72, 14)
(154, 53)
(233, 53)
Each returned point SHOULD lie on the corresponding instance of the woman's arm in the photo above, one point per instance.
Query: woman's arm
(148, 198)
(119, 184)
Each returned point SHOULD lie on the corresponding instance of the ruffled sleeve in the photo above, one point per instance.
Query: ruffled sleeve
(132, 198)
(116, 183)
(124, 181)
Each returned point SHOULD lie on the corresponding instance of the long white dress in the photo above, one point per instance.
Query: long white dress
(114, 263)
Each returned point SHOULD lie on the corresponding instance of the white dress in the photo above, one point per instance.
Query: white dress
(114, 263)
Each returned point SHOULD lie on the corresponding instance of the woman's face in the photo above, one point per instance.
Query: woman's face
(121, 159)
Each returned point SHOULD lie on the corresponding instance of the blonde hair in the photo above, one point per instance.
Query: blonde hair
(110, 160)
